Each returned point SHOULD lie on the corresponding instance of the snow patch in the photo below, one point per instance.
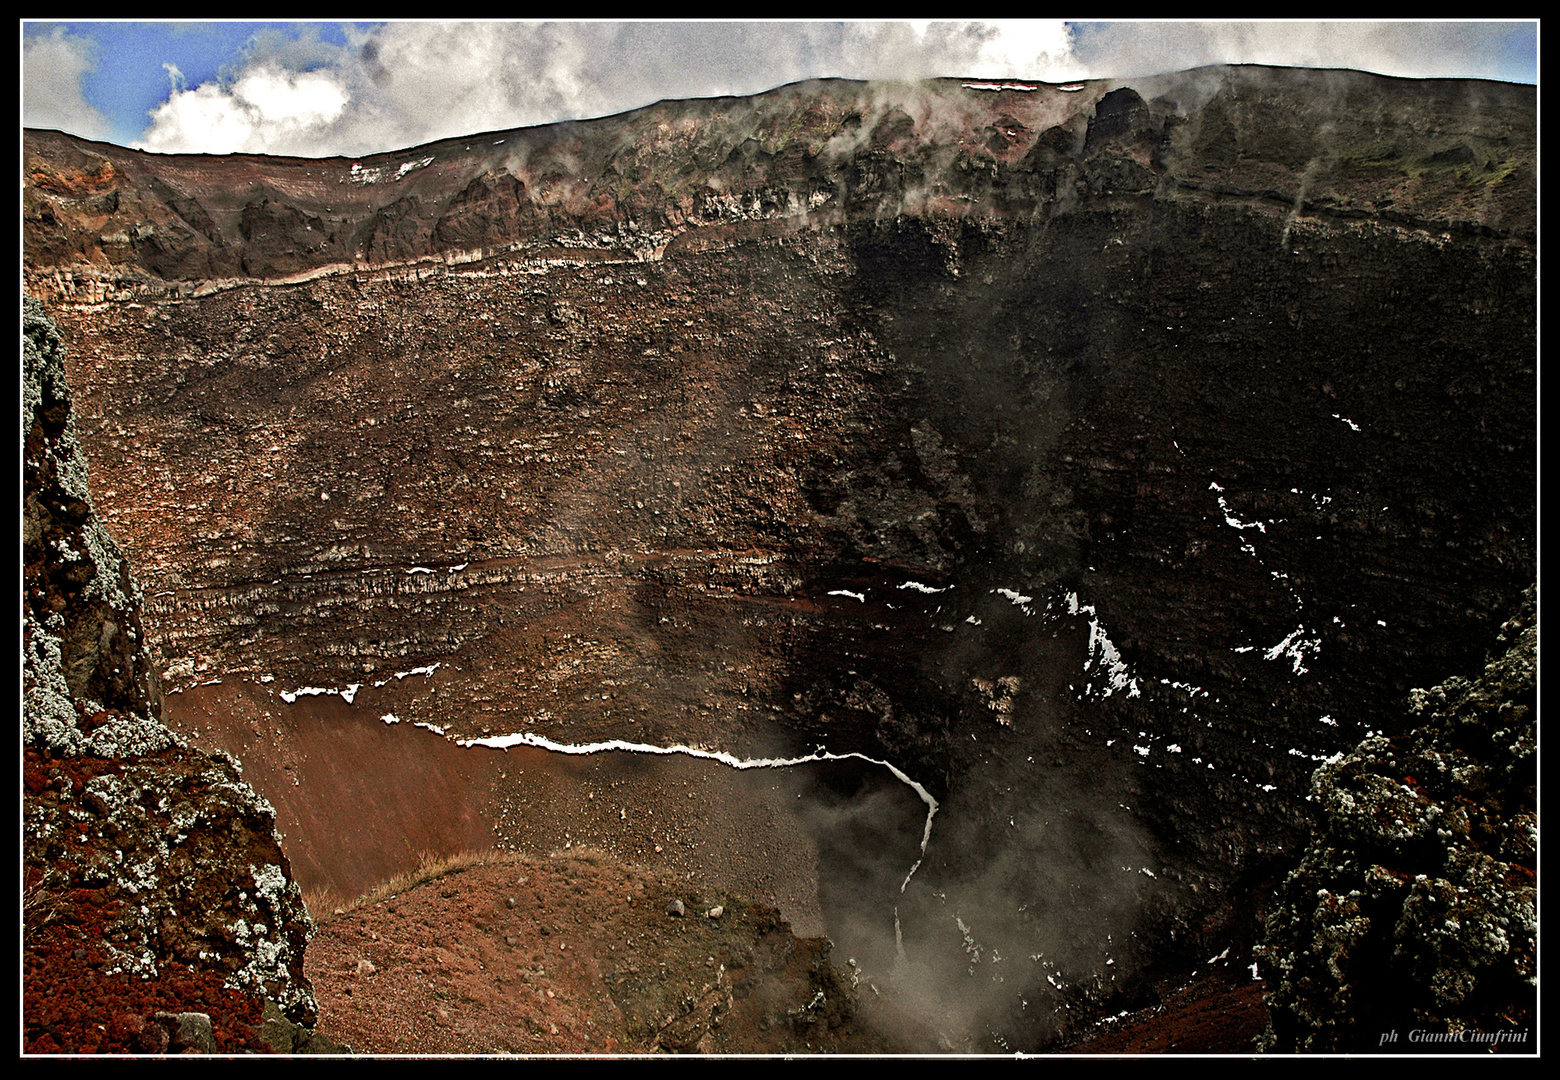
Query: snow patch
(413, 165)
(360, 175)
(1102, 651)
(429, 670)
(294, 695)
(313, 691)
(1297, 647)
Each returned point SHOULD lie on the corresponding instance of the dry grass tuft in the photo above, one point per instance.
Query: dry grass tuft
(584, 853)
(325, 903)
(40, 907)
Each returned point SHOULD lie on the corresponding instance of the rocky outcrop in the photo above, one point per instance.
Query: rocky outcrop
(1105, 459)
(1414, 911)
(155, 883)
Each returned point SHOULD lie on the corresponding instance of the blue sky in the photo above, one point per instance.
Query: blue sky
(129, 78)
(352, 88)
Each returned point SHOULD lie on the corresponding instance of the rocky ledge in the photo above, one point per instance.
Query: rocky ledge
(159, 910)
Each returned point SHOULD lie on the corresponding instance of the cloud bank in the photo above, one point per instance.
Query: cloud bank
(1409, 49)
(400, 84)
(406, 83)
(53, 66)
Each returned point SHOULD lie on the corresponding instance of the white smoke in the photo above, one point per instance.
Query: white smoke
(1407, 49)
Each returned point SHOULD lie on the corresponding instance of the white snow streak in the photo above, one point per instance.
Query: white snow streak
(429, 670)
(1104, 652)
(1003, 86)
(918, 587)
(725, 758)
(1295, 646)
(312, 691)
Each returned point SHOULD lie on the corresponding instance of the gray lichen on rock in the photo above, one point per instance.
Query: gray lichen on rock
(181, 852)
(1415, 904)
(82, 630)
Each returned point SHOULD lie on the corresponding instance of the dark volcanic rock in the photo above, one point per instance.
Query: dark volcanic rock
(1104, 460)
(1415, 906)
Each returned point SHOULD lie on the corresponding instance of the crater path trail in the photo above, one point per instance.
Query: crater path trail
(359, 800)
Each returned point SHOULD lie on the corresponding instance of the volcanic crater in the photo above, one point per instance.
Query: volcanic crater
(1067, 473)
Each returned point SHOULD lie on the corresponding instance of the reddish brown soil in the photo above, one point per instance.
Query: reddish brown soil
(70, 1003)
(359, 800)
(577, 954)
(1220, 1013)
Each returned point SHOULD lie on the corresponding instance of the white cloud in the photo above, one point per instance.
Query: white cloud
(1026, 49)
(401, 84)
(1014, 48)
(265, 108)
(53, 65)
